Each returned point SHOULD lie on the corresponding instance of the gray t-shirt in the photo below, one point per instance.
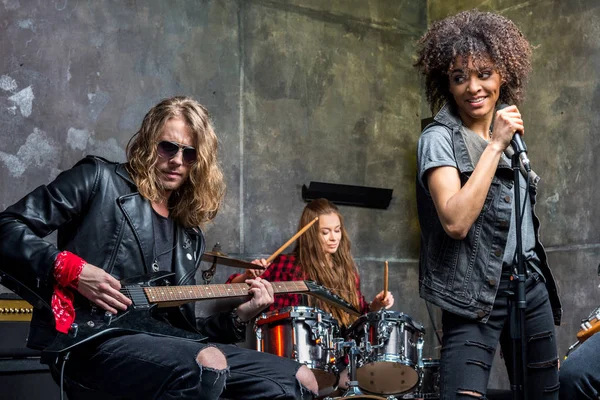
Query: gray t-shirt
(435, 149)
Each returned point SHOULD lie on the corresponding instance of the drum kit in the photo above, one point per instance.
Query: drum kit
(383, 351)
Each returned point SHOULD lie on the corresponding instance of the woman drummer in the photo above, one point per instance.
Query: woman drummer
(322, 255)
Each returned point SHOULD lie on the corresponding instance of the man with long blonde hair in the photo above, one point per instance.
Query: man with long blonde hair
(118, 221)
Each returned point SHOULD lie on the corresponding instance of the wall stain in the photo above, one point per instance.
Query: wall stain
(78, 139)
(98, 101)
(23, 100)
(350, 22)
(26, 24)
(39, 151)
(315, 84)
(11, 4)
(7, 83)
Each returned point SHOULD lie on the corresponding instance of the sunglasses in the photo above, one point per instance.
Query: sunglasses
(169, 150)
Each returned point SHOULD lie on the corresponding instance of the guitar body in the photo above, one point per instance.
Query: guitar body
(93, 322)
(150, 292)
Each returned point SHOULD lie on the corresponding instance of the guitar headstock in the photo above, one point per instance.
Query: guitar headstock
(326, 295)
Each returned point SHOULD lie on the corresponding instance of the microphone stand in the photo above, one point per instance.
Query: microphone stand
(519, 301)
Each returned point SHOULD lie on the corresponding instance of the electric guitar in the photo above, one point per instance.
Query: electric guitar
(148, 292)
(589, 326)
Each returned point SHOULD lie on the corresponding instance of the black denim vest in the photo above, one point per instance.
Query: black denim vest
(462, 276)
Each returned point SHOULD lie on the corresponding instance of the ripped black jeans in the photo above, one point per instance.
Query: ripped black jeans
(142, 366)
(469, 346)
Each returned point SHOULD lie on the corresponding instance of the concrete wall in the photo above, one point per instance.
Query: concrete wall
(300, 91)
(561, 118)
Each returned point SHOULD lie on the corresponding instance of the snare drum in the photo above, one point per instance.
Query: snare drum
(304, 334)
(388, 351)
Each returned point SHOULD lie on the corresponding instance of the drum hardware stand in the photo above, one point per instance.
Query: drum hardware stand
(385, 327)
(353, 389)
(317, 329)
(366, 343)
(420, 366)
(519, 302)
(208, 274)
(258, 334)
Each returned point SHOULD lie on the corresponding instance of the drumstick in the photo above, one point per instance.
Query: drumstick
(296, 236)
(385, 279)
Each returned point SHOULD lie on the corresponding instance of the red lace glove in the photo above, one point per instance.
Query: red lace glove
(67, 268)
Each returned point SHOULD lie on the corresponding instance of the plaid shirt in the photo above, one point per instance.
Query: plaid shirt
(284, 268)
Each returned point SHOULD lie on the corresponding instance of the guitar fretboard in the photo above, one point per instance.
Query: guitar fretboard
(157, 294)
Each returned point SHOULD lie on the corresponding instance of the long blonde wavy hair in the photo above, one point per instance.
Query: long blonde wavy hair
(310, 253)
(199, 198)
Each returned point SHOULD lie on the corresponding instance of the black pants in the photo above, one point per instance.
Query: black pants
(142, 366)
(469, 346)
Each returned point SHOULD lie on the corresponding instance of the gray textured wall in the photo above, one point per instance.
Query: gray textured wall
(300, 90)
(561, 118)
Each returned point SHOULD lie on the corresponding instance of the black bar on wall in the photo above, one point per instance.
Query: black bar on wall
(348, 195)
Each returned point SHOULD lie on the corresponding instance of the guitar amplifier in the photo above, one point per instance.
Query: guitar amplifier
(15, 314)
(21, 374)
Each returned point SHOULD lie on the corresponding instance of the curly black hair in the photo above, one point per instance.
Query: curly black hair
(483, 37)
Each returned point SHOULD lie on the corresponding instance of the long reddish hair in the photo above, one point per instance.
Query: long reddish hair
(340, 277)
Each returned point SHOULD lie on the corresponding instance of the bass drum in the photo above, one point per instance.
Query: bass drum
(304, 334)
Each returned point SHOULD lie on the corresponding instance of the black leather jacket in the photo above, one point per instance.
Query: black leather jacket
(101, 217)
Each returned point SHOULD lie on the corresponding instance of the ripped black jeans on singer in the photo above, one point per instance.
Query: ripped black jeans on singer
(469, 347)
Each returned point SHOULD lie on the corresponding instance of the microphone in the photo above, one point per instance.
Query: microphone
(534, 178)
(518, 146)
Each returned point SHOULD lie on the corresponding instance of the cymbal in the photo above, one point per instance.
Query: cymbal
(223, 259)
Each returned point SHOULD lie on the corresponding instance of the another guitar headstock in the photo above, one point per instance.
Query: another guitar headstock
(326, 295)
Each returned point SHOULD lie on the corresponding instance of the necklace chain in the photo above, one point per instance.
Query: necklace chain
(489, 131)
(155, 266)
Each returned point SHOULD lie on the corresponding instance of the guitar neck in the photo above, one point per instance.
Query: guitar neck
(173, 295)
